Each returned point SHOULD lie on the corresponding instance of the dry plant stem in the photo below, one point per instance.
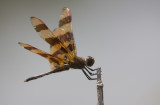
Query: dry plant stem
(99, 88)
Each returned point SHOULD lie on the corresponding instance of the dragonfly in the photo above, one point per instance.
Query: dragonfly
(63, 53)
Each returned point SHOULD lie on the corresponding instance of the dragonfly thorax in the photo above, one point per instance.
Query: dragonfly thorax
(78, 63)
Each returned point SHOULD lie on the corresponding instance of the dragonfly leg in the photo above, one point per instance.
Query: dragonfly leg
(91, 74)
(89, 78)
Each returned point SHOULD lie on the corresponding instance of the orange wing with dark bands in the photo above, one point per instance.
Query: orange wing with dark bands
(66, 36)
(65, 23)
(57, 48)
(54, 61)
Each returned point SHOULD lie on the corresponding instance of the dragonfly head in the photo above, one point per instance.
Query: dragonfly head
(89, 61)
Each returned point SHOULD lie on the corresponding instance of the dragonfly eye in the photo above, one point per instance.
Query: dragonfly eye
(89, 61)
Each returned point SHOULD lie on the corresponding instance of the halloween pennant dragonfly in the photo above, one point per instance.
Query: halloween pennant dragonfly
(63, 54)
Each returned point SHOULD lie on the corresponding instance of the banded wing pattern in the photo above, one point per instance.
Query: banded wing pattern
(65, 26)
(57, 49)
(41, 29)
(57, 65)
(62, 52)
(49, 57)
